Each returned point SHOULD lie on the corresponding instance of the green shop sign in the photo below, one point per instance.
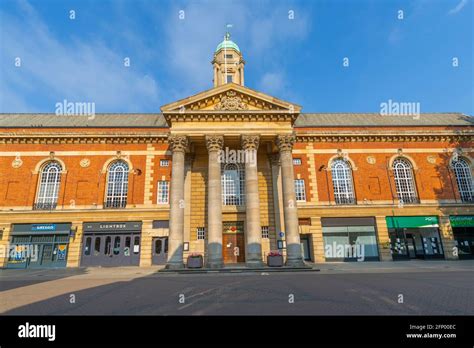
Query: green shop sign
(411, 221)
(462, 221)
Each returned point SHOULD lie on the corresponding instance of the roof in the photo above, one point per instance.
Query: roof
(227, 43)
(374, 120)
(98, 121)
(303, 120)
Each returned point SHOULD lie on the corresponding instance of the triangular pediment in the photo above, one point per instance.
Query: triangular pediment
(230, 97)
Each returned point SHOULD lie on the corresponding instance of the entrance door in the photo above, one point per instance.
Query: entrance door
(304, 242)
(120, 249)
(233, 247)
(411, 245)
(160, 250)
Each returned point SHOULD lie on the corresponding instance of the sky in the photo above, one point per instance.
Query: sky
(327, 56)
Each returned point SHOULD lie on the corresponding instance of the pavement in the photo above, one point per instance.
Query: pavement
(369, 288)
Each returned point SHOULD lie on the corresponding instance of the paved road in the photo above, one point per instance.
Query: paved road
(443, 288)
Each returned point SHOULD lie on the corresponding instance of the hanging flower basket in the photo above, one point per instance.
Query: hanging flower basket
(195, 261)
(274, 259)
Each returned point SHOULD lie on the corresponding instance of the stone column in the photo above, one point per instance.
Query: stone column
(214, 202)
(274, 159)
(178, 145)
(294, 256)
(253, 232)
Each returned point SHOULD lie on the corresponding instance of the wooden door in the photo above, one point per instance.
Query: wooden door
(233, 247)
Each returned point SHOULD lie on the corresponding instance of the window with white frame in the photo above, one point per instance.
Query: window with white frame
(341, 172)
(462, 171)
(201, 233)
(233, 184)
(49, 182)
(163, 192)
(164, 163)
(404, 181)
(265, 232)
(300, 190)
(296, 161)
(117, 185)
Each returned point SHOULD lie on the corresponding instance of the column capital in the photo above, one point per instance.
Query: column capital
(285, 142)
(214, 142)
(250, 142)
(178, 143)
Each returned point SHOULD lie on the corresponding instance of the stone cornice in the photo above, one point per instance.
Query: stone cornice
(230, 116)
(74, 138)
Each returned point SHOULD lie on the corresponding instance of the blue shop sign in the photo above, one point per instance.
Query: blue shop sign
(44, 227)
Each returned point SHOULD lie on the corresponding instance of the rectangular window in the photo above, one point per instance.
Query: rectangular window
(300, 190)
(265, 233)
(164, 163)
(229, 78)
(296, 161)
(229, 56)
(201, 233)
(163, 192)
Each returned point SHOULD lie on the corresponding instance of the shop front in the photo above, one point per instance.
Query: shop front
(39, 245)
(350, 239)
(414, 237)
(111, 243)
(463, 233)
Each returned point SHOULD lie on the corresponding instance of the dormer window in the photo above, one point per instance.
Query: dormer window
(229, 78)
(229, 56)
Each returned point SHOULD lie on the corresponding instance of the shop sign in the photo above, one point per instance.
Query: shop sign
(43, 227)
(462, 221)
(411, 221)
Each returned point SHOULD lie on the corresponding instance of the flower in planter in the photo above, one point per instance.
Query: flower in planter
(195, 255)
(274, 253)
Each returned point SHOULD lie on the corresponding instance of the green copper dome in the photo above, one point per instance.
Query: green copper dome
(227, 43)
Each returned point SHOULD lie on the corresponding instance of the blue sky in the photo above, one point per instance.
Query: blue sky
(299, 60)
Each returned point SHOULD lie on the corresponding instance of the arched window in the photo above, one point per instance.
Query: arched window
(463, 174)
(233, 184)
(404, 181)
(117, 185)
(49, 182)
(342, 182)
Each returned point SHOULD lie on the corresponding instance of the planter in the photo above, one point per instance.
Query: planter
(195, 262)
(275, 261)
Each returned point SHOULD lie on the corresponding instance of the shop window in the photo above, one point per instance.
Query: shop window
(136, 245)
(166, 245)
(48, 190)
(87, 250)
(463, 174)
(300, 190)
(342, 182)
(117, 245)
(404, 181)
(108, 242)
(97, 246)
(117, 185)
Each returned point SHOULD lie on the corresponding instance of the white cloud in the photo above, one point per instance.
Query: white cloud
(76, 70)
(458, 7)
(272, 83)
